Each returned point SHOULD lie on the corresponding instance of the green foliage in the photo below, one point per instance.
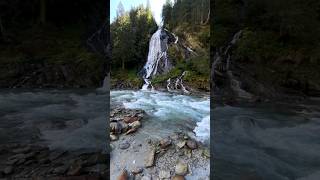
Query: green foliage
(192, 12)
(130, 34)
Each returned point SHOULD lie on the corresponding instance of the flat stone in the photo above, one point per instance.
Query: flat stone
(164, 174)
(124, 145)
(181, 169)
(135, 124)
(181, 144)
(131, 119)
(149, 161)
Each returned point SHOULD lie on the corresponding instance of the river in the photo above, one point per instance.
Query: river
(270, 140)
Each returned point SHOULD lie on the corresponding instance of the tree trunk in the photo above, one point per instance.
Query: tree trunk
(42, 11)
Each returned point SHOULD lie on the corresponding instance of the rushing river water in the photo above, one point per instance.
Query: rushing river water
(169, 112)
(68, 119)
(270, 141)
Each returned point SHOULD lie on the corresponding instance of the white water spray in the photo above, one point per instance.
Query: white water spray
(157, 62)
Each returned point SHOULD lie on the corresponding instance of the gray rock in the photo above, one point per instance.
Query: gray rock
(164, 143)
(192, 144)
(124, 145)
(149, 161)
(136, 171)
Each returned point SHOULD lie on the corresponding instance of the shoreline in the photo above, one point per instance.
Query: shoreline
(136, 154)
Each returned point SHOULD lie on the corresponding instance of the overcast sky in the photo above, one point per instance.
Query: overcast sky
(156, 7)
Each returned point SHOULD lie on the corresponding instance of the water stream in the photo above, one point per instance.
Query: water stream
(67, 119)
(267, 141)
(169, 112)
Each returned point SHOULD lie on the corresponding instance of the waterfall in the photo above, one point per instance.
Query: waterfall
(157, 61)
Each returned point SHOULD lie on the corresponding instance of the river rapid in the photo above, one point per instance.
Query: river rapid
(278, 141)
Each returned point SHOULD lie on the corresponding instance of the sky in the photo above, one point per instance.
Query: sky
(156, 7)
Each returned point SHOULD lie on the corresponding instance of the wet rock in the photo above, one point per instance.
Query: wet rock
(149, 161)
(181, 169)
(22, 150)
(178, 177)
(131, 131)
(136, 171)
(164, 143)
(135, 124)
(8, 170)
(113, 137)
(124, 126)
(181, 144)
(123, 175)
(164, 174)
(60, 169)
(192, 144)
(115, 127)
(124, 145)
(131, 119)
(97, 158)
(185, 137)
(75, 168)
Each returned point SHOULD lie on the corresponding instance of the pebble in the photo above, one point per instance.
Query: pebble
(123, 175)
(178, 177)
(137, 171)
(164, 174)
(164, 143)
(181, 169)
(113, 137)
(180, 144)
(192, 144)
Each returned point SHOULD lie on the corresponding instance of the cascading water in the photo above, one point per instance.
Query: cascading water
(157, 62)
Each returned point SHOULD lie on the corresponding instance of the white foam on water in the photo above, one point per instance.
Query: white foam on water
(169, 107)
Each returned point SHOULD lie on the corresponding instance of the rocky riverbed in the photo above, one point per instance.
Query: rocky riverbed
(27, 161)
(136, 155)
